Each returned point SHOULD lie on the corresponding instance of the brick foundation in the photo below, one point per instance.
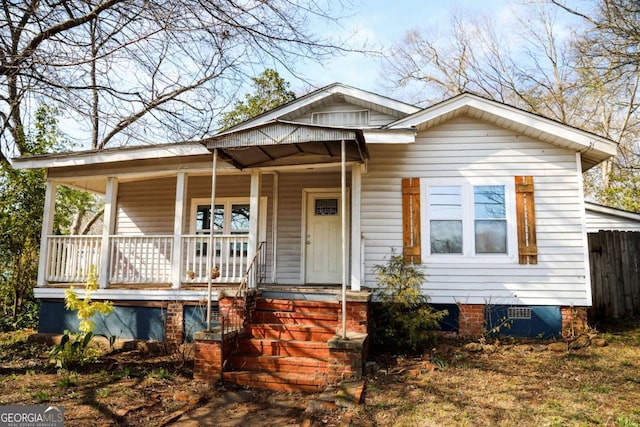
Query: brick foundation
(574, 321)
(471, 322)
(174, 325)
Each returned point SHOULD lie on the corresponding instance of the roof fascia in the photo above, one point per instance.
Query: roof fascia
(110, 156)
(539, 123)
(322, 93)
(590, 206)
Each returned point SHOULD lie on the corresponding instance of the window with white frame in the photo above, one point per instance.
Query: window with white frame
(231, 216)
(469, 219)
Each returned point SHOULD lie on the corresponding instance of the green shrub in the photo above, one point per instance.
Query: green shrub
(74, 348)
(404, 321)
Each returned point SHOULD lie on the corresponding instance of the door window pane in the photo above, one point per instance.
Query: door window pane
(326, 207)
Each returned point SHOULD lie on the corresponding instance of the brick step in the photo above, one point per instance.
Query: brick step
(270, 347)
(302, 365)
(281, 331)
(299, 306)
(312, 319)
(280, 381)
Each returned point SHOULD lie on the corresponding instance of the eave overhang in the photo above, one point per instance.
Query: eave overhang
(112, 155)
(593, 148)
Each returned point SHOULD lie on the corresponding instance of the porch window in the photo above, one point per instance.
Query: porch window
(471, 220)
(230, 218)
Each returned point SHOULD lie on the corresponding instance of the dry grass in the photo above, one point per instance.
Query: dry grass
(512, 386)
(507, 387)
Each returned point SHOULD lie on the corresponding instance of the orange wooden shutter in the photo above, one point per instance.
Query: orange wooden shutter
(526, 213)
(411, 220)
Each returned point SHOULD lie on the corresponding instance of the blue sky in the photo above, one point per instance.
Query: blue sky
(384, 22)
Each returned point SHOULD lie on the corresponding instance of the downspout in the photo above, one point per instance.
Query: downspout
(210, 249)
(344, 237)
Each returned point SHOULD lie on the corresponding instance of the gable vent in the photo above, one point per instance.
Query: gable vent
(341, 118)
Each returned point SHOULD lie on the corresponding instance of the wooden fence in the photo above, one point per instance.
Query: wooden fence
(615, 274)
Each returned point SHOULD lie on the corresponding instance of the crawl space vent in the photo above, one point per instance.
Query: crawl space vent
(519, 313)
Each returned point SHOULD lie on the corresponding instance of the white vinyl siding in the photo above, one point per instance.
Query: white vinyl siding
(471, 150)
(146, 207)
(597, 221)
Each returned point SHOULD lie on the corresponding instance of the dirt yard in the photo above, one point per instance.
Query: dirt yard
(495, 383)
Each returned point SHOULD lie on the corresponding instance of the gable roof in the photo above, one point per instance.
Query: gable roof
(594, 148)
(329, 94)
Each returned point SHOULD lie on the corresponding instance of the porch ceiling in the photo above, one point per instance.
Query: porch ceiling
(280, 143)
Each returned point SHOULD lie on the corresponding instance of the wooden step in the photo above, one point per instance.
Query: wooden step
(301, 365)
(281, 381)
(294, 348)
(293, 318)
(291, 332)
(299, 306)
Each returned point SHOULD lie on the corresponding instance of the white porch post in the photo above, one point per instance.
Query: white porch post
(254, 207)
(108, 228)
(210, 249)
(274, 227)
(176, 256)
(47, 228)
(356, 236)
(343, 209)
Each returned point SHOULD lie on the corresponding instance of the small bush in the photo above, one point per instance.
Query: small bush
(404, 320)
(75, 348)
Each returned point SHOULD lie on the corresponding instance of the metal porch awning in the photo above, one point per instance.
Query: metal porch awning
(280, 143)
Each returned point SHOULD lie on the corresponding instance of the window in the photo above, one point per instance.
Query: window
(231, 217)
(469, 220)
(445, 206)
(490, 219)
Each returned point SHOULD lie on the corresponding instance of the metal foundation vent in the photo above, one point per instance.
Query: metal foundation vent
(519, 313)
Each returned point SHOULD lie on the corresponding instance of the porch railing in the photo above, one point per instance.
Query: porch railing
(140, 259)
(230, 258)
(71, 257)
(148, 259)
(235, 312)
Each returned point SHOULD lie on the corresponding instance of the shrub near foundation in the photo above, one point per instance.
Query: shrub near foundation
(404, 320)
(74, 348)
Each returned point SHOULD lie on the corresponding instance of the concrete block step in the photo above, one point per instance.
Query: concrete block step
(270, 347)
(281, 331)
(280, 381)
(301, 365)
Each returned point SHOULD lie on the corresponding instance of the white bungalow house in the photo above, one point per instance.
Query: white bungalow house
(487, 198)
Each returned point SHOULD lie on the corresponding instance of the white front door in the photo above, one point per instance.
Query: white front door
(323, 238)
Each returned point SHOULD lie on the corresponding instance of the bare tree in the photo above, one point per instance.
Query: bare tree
(536, 62)
(145, 71)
